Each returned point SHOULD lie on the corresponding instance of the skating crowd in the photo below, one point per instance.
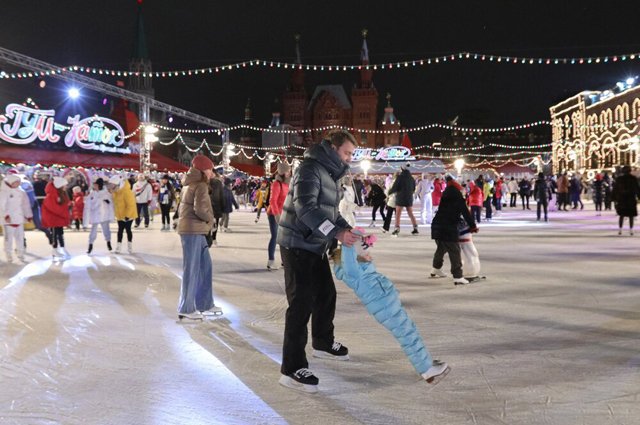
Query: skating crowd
(306, 221)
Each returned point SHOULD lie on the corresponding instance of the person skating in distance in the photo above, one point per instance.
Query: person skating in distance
(444, 230)
(354, 266)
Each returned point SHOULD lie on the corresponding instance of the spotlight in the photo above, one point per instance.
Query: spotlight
(74, 93)
(104, 101)
(42, 84)
(630, 81)
(170, 119)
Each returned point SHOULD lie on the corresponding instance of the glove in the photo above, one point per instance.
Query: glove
(29, 219)
(126, 219)
(474, 230)
(107, 201)
(7, 218)
(148, 202)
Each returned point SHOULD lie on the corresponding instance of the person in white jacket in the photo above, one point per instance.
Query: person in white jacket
(143, 192)
(98, 211)
(14, 211)
(424, 189)
(347, 206)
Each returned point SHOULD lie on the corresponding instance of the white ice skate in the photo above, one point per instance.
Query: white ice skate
(130, 247)
(118, 247)
(196, 316)
(460, 281)
(271, 265)
(212, 312)
(437, 273)
(436, 372)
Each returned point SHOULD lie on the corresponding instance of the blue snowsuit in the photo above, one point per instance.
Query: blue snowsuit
(382, 301)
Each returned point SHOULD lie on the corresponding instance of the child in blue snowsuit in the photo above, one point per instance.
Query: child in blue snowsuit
(382, 301)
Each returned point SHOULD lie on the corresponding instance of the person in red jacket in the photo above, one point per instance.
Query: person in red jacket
(55, 215)
(438, 188)
(476, 200)
(77, 208)
(278, 194)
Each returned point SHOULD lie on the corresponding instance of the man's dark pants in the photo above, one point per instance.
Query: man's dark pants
(311, 292)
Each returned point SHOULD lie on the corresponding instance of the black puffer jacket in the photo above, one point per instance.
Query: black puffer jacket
(444, 226)
(310, 219)
(625, 194)
(403, 187)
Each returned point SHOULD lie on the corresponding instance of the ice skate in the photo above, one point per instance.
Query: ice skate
(460, 281)
(301, 380)
(396, 232)
(475, 278)
(415, 231)
(118, 247)
(90, 249)
(109, 246)
(620, 232)
(213, 311)
(271, 265)
(336, 352)
(130, 247)
(55, 255)
(437, 273)
(630, 232)
(191, 317)
(372, 224)
(436, 372)
(64, 253)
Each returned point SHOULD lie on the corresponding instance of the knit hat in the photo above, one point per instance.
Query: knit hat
(406, 166)
(201, 162)
(59, 182)
(11, 178)
(115, 179)
(99, 182)
(283, 168)
(76, 189)
(166, 177)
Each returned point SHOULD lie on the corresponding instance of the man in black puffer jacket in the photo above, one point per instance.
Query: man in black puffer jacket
(309, 223)
(444, 229)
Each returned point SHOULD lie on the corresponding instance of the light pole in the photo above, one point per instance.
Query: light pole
(148, 137)
(365, 165)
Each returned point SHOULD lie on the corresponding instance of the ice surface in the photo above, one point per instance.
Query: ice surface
(551, 337)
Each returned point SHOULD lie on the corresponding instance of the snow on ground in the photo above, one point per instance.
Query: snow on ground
(552, 336)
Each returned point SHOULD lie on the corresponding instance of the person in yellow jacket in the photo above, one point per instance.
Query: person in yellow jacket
(262, 198)
(125, 209)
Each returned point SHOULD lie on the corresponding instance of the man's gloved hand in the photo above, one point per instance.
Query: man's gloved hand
(474, 230)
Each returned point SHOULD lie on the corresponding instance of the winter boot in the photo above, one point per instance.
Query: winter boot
(109, 245)
(118, 247)
(415, 231)
(130, 247)
(90, 248)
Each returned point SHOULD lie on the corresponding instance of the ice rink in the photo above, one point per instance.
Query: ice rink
(551, 337)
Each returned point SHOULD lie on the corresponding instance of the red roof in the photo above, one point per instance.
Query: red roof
(251, 169)
(15, 154)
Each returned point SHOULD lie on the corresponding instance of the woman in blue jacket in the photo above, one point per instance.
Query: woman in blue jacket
(382, 301)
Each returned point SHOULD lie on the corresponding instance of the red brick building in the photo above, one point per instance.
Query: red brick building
(331, 105)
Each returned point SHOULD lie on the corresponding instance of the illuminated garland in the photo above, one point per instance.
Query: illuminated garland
(461, 56)
(485, 145)
(497, 155)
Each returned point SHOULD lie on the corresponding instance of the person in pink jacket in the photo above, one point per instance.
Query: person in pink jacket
(277, 194)
(476, 200)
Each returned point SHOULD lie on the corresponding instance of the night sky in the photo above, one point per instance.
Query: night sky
(209, 33)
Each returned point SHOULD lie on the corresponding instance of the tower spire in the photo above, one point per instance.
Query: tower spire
(297, 38)
(140, 47)
(364, 53)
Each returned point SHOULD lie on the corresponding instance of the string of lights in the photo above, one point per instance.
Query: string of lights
(270, 64)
